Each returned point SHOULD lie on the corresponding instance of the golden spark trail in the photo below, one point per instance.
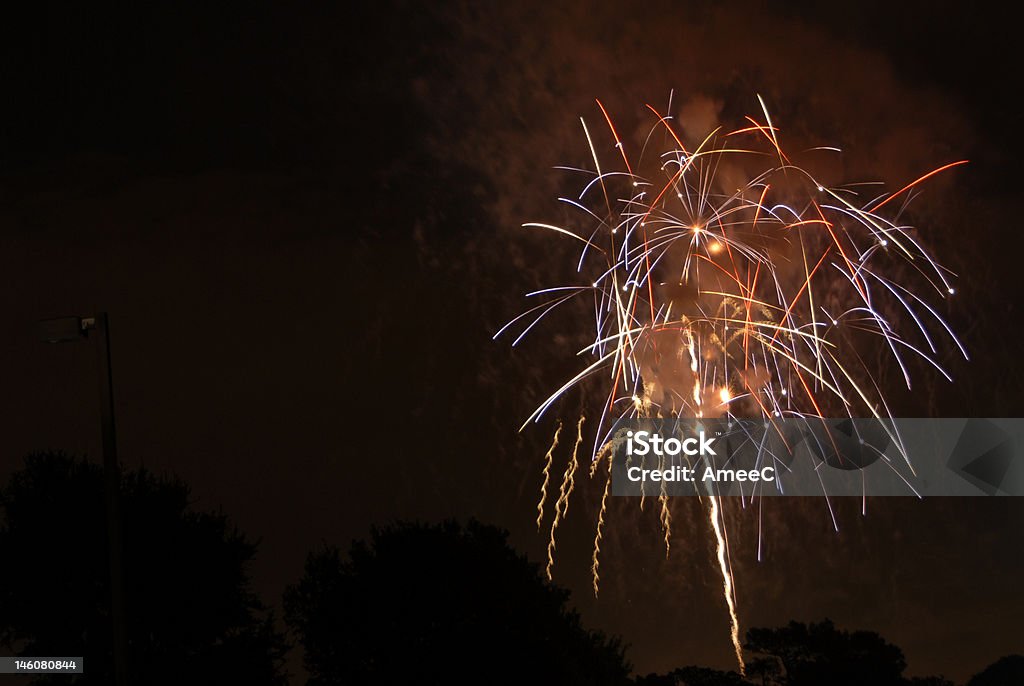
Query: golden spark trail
(564, 491)
(596, 559)
(666, 520)
(548, 459)
(723, 564)
(727, 587)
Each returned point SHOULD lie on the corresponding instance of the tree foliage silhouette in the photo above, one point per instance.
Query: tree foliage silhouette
(929, 681)
(693, 676)
(802, 654)
(192, 617)
(1006, 671)
(821, 654)
(442, 604)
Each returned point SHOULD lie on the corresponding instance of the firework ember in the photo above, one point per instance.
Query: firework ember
(727, 280)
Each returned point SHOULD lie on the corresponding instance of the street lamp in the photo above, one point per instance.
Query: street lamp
(69, 329)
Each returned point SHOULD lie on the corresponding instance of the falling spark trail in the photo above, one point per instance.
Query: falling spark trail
(548, 459)
(666, 521)
(727, 582)
(564, 491)
(596, 559)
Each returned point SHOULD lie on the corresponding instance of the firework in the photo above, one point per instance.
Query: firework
(727, 280)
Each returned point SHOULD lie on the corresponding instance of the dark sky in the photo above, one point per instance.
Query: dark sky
(303, 223)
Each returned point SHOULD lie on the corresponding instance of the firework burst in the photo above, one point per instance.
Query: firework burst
(728, 280)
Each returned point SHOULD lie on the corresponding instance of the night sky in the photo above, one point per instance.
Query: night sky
(304, 223)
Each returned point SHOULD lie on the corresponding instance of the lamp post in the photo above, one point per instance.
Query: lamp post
(97, 327)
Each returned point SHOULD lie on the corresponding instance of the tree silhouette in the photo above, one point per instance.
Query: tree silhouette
(804, 654)
(442, 604)
(929, 681)
(765, 671)
(693, 676)
(821, 654)
(191, 615)
(1006, 671)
